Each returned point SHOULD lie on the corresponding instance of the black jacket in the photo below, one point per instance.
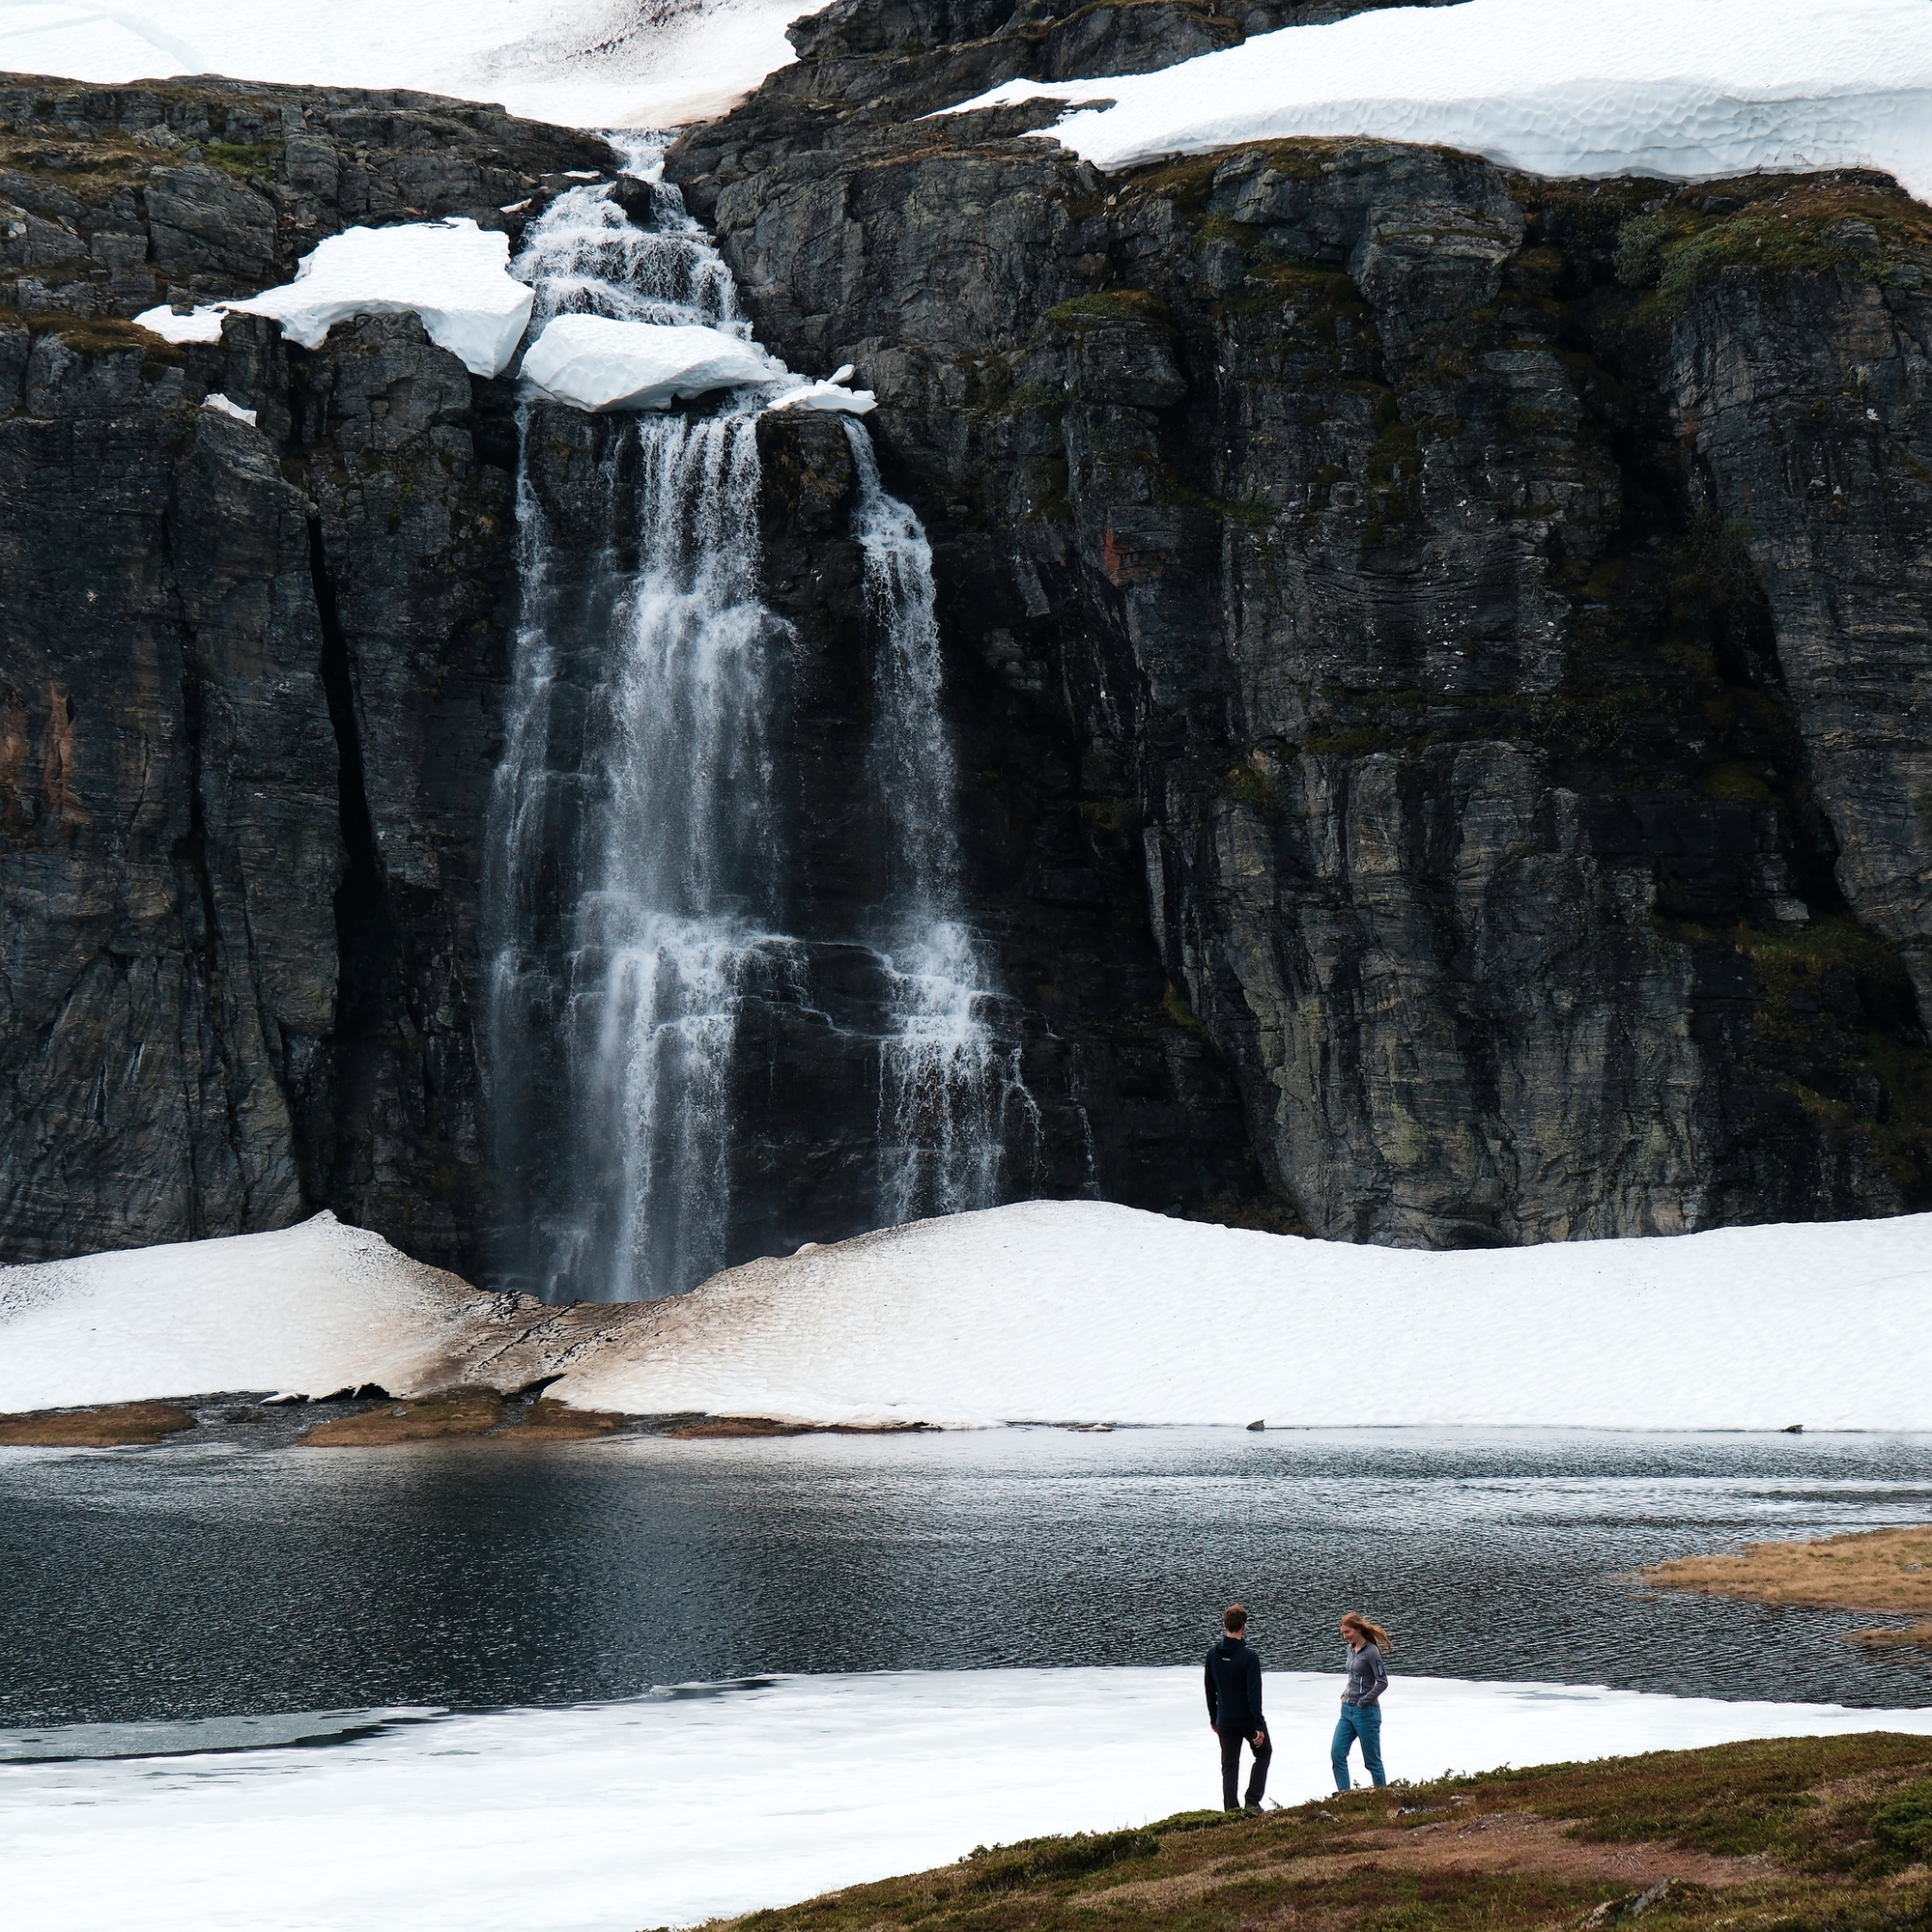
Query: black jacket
(1233, 1675)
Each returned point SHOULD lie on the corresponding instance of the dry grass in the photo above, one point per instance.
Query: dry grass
(558, 1422)
(473, 1412)
(457, 1411)
(119, 1425)
(1875, 1570)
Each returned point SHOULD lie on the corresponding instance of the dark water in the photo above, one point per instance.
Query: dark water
(189, 1582)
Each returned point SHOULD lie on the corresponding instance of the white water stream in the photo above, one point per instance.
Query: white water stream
(639, 863)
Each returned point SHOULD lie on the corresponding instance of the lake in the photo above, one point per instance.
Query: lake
(233, 1573)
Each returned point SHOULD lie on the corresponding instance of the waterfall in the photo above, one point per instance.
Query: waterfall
(637, 887)
(951, 1098)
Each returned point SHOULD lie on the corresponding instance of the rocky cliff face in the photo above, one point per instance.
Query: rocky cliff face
(1490, 614)
(1439, 658)
(248, 674)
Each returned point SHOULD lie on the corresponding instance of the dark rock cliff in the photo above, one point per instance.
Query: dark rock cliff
(248, 674)
(1439, 660)
(1492, 617)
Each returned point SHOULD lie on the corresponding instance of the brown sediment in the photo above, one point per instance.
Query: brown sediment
(118, 1425)
(1885, 1570)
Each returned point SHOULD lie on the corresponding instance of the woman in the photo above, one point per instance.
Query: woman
(1361, 1702)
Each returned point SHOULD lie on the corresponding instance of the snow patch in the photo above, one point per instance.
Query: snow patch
(583, 63)
(216, 401)
(830, 394)
(452, 273)
(673, 1810)
(201, 324)
(598, 362)
(1682, 88)
(307, 1310)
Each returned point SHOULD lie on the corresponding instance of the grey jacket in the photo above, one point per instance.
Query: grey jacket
(1368, 1676)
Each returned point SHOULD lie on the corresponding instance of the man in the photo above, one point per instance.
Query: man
(1234, 1708)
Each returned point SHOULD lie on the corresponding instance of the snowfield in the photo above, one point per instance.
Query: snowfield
(1066, 1312)
(582, 63)
(1080, 1311)
(1682, 88)
(667, 1810)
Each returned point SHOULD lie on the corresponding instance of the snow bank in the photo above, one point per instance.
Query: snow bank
(1076, 1311)
(311, 1309)
(671, 1811)
(598, 362)
(1682, 88)
(1068, 1310)
(452, 273)
(221, 404)
(583, 63)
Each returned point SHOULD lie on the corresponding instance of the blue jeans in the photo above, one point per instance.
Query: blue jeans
(1364, 1721)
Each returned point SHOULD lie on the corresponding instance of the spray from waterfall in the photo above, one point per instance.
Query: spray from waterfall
(638, 865)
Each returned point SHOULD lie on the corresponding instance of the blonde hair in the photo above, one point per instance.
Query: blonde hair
(1374, 1633)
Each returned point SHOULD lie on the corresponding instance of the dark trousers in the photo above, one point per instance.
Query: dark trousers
(1232, 1741)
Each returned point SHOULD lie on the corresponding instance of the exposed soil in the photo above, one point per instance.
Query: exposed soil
(116, 1426)
(1873, 1569)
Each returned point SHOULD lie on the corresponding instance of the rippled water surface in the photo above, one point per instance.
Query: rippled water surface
(216, 1579)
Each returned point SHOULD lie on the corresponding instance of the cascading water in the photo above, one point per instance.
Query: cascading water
(638, 865)
(953, 1101)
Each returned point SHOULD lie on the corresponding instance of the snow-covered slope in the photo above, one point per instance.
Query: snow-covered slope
(1071, 1311)
(1677, 88)
(311, 1309)
(1078, 1310)
(583, 63)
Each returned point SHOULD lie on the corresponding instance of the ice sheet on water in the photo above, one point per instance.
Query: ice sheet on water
(1684, 89)
(600, 363)
(66, 1744)
(673, 1810)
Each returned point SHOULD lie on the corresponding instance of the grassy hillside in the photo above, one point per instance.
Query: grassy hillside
(1832, 1834)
